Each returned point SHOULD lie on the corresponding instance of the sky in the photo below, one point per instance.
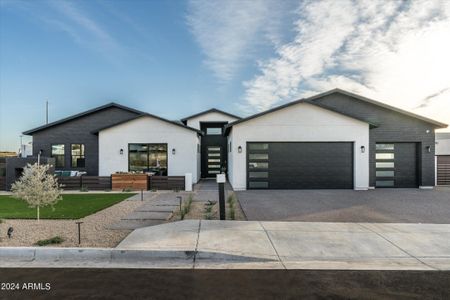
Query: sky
(176, 58)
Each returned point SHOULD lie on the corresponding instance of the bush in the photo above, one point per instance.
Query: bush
(186, 207)
(53, 240)
(231, 207)
(84, 189)
(127, 190)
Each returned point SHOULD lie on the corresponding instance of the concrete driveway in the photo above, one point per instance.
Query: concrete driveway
(379, 205)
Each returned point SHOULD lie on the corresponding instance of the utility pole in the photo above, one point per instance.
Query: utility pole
(46, 112)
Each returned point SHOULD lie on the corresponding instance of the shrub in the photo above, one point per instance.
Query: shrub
(186, 207)
(53, 240)
(231, 207)
(127, 190)
(84, 189)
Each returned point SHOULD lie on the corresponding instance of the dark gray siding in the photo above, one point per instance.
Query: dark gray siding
(392, 127)
(79, 131)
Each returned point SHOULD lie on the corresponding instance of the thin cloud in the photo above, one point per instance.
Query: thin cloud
(428, 99)
(395, 50)
(227, 31)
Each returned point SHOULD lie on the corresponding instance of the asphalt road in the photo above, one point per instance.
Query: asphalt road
(225, 284)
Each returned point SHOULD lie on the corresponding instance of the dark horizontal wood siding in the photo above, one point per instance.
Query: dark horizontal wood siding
(166, 183)
(443, 169)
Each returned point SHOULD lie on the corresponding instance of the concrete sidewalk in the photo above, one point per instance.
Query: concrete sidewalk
(301, 245)
(258, 245)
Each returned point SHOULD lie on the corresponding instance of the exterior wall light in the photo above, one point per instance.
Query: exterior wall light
(173, 151)
(427, 131)
(240, 149)
(428, 149)
(363, 149)
(121, 151)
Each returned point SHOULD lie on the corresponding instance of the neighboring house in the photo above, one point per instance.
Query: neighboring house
(332, 140)
(443, 158)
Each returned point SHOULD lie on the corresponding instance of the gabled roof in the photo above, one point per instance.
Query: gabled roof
(176, 123)
(210, 111)
(311, 99)
(85, 113)
(381, 104)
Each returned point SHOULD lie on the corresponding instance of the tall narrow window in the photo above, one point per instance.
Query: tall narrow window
(58, 155)
(77, 156)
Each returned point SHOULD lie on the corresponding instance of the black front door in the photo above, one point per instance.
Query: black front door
(396, 165)
(213, 150)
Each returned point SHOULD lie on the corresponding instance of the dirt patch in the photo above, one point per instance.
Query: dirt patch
(94, 230)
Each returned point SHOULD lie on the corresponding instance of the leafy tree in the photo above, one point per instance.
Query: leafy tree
(37, 187)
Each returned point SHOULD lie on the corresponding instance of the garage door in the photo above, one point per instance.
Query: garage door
(443, 170)
(315, 165)
(396, 165)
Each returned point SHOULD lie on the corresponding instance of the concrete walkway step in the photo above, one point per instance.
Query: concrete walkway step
(151, 215)
(134, 224)
(154, 208)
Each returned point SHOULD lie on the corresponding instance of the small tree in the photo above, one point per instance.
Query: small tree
(37, 187)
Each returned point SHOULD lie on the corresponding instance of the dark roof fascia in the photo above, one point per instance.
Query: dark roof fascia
(380, 104)
(82, 114)
(209, 111)
(147, 115)
(311, 101)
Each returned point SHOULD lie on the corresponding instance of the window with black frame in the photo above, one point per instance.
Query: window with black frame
(58, 155)
(148, 158)
(77, 156)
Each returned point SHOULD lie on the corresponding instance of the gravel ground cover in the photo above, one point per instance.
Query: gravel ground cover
(94, 232)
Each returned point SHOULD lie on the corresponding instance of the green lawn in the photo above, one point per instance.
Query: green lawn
(72, 206)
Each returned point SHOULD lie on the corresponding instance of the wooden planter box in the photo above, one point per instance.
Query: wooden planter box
(129, 181)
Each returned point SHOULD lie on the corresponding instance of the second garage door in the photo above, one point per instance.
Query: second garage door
(302, 165)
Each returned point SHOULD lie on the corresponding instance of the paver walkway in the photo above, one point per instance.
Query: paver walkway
(156, 209)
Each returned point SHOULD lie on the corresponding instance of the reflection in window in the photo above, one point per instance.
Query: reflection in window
(258, 174)
(150, 158)
(58, 155)
(213, 131)
(258, 165)
(384, 183)
(253, 146)
(384, 156)
(77, 156)
(385, 173)
(258, 156)
(384, 147)
(258, 184)
(384, 164)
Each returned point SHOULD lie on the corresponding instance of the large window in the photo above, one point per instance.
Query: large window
(77, 155)
(150, 158)
(58, 155)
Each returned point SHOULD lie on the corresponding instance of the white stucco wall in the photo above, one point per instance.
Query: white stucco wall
(209, 117)
(300, 123)
(149, 130)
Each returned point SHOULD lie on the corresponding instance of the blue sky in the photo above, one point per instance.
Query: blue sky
(175, 58)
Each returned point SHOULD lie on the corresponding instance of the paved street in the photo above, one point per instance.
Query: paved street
(379, 205)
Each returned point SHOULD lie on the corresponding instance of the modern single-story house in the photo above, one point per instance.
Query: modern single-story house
(333, 140)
